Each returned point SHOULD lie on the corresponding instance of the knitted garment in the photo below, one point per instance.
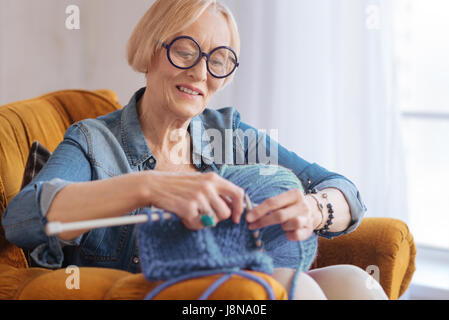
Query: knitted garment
(169, 250)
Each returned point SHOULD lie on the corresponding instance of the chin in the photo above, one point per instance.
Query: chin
(186, 110)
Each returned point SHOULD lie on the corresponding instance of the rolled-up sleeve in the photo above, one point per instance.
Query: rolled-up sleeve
(352, 196)
(24, 219)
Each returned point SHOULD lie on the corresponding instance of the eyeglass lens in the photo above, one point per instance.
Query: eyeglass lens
(185, 53)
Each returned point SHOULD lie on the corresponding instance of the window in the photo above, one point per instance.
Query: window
(422, 60)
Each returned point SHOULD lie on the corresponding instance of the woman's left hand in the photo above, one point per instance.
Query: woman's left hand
(290, 209)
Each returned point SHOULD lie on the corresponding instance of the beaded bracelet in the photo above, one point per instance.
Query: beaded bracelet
(320, 207)
(330, 210)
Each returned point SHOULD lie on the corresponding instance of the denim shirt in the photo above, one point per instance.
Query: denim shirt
(113, 145)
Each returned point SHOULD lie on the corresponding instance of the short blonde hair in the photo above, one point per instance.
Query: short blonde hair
(164, 19)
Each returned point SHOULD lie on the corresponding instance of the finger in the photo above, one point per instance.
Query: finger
(228, 201)
(275, 203)
(190, 217)
(276, 217)
(206, 209)
(292, 224)
(196, 223)
(192, 225)
(299, 235)
(215, 201)
(196, 207)
(192, 220)
(236, 196)
(219, 207)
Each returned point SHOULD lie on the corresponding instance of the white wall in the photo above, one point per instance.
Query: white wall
(39, 55)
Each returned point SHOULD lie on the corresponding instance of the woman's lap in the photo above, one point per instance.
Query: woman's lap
(347, 282)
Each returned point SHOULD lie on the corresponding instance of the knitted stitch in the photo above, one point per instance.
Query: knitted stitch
(169, 250)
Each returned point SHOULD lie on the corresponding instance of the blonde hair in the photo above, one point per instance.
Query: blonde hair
(166, 18)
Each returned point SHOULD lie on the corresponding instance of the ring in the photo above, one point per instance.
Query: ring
(207, 220)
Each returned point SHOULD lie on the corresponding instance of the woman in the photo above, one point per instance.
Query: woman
(156, 151)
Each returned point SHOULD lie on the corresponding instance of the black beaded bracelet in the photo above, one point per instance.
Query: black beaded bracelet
(330, 217)
(329, 221)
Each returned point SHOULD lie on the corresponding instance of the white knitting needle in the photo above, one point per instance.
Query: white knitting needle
(56, 227)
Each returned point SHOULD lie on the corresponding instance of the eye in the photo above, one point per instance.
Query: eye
(185, 54)
(217, 63)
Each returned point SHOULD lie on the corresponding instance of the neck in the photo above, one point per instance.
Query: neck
(163, 130)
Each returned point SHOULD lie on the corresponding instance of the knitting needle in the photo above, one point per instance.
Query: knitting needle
(56, 227)
(249, 206)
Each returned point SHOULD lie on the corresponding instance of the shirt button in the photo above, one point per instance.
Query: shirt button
(136, 260)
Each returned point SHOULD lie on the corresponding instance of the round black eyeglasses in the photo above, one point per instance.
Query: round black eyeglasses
(184, 52)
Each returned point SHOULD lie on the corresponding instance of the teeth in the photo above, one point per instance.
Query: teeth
(188, 91)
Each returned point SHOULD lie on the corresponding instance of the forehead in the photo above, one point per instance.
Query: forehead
(211, 30)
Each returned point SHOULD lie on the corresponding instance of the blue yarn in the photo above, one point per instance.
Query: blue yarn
(214, 286)
(169, 251)
(173, 281)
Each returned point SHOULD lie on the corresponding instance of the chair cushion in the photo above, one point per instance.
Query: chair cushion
(111, 284)
(235, 288)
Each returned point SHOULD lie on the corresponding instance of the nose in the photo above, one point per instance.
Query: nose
(199, 71)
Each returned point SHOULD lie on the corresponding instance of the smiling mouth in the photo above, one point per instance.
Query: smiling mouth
(188, 91)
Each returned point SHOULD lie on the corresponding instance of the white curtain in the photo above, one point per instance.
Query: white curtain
(322, 73)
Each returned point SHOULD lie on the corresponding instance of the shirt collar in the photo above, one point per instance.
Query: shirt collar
(136, 146)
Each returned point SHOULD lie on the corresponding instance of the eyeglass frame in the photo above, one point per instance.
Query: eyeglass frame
(202, 54)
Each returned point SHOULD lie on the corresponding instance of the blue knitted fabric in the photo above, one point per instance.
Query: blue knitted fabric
(168, 249)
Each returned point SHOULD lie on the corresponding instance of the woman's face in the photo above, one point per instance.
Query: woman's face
(164, 80)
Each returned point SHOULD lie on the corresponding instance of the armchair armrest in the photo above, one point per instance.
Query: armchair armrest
(382, 242)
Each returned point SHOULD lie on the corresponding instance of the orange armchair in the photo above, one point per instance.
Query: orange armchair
(382, 242)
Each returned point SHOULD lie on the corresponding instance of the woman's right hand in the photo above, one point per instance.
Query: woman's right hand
(188, 195)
